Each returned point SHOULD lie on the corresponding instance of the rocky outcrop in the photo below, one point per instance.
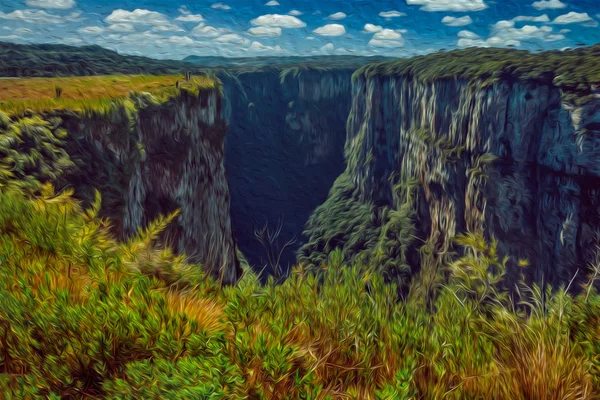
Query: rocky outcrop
(149, 158)
(513, 159)
(284, 149)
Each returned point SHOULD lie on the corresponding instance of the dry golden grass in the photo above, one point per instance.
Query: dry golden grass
(40, 94)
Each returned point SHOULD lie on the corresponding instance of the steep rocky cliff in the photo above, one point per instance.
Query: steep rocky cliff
(284, 149)
(512, 156)
(152, 155)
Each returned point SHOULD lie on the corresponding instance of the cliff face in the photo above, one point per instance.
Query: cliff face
(512, 159)
(284, 149)
(149, 158)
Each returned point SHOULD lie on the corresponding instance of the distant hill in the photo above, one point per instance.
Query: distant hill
(62, 60)
(45, 60)
(331, 61)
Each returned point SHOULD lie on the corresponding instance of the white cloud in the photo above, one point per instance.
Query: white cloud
(565, 31)
(167, 28)
(11, 38)
(391, 14)
(295, 13)
(55, 4)
(32, 17)
(572, 18)
(138, 16)
(468, 35)
(280, 21)
(259, 47)
(190, 18)
(121, 28)
(159, 22)
(92, 30)
(462, 21)
(541, 18)
(328, 48)
(205, 31)
(449, 5)
(272, 3)
(265, 31)
(180, 40)
(22, 31)
(548, 4)
(387, 38)
(330, 30)
(504, 33)
(370, 28)
(220, 6)
(338, 16)
(232, 38)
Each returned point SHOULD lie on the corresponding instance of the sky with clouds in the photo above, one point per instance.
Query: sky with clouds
(233, 28)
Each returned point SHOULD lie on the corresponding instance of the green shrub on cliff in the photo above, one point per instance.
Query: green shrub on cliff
(84, 316)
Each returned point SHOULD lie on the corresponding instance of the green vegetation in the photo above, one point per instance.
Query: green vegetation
(83, 316)
(21, 95)
(51, 60)
(572, 70)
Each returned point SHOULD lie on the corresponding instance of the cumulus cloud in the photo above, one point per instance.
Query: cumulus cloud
(32, 17)
(338, 16)
(387, 38)
(205, 31)
(330, 30)
(272, 3)
(468, 35)
(391, 14)
(267, 31)
(548, 4)
(54, 4)
(190, 18)
(449, 5)
(505, 33)
(259, 47)
(121, 28)
(220, 6)
(138, 16)
(280, 21)
(92, 30)
(370, 28)
(462, 21)
(541, 18)
(158, 21)
(572, 18)
(232, 38)
(328, 48)
(295, 13)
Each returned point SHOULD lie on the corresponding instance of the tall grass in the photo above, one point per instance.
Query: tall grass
(84, 316)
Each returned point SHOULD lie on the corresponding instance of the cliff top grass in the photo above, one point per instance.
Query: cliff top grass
(18, 95)
(572, 70)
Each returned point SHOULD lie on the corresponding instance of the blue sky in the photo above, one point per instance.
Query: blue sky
(176, 29)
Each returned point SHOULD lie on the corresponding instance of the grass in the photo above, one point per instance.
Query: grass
(84, 316)
(79, 93)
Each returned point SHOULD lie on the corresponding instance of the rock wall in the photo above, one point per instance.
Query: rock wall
(150, 158)
(511, 159)
(284, 149)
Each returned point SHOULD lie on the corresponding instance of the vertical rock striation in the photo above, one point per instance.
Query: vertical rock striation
(512, 158)
(150, 158)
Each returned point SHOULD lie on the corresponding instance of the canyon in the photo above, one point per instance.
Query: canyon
(281, 165)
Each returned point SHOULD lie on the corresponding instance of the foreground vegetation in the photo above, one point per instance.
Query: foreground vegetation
(83, 316)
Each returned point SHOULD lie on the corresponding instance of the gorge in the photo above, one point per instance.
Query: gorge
(279, 165)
